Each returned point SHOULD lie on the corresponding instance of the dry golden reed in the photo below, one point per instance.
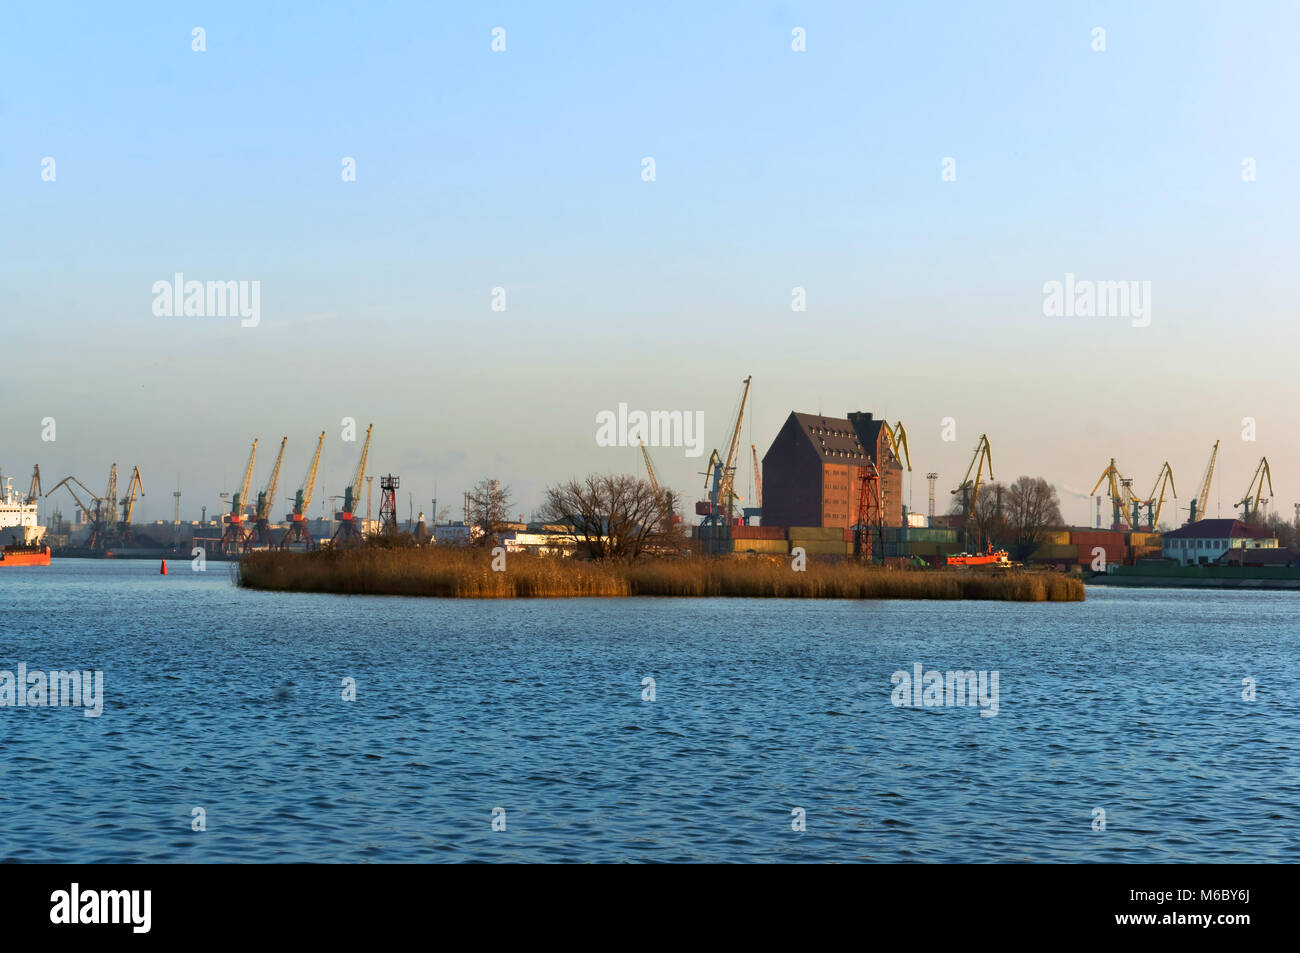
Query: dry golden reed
(467, 574)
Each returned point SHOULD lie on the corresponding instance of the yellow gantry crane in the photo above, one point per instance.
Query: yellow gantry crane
(347, 533)
(1123, 500)
(297, 531)
(134, 485)
(898, 445)
(261, 532)
(649, 468)
(970, 488)
(1262, 476)
(722, 474)
(233, 538)
(1202, 498)
(1156, 500)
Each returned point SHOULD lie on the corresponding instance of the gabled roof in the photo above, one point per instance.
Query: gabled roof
(834, 438)
(1218, 529)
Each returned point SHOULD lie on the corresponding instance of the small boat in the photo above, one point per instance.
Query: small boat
(990, 557)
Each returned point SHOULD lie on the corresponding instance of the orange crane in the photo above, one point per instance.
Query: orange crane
(347, 534)
(297, 520)
(261, 532)
(233, 538)
(1202, 497)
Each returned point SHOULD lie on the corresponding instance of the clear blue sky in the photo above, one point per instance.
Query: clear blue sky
(522, 170)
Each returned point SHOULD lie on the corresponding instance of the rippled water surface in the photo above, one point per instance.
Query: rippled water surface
(231, 701)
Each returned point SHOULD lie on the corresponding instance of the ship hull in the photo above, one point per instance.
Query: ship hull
(24, 556)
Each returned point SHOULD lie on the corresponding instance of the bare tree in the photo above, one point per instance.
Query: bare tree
(986, 523)
(1031, 508)
(1284, 530)
(614, 516)
(489, 508)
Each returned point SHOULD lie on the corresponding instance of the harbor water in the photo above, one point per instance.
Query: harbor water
(641, 729)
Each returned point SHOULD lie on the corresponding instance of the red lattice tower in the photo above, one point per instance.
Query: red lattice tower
(868, 512)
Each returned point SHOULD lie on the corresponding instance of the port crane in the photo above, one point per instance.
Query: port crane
(94, 512)
(261, 531)
(34, 491)
(347, 534)
(758, 478)
(1251, 506)
(1202, 497)
(297, 520)
(1155, 501)
(236, 533)
(1124, 503)
(970, 488)
(650, 469)
(718, 509)
(134, 485)
(898, 446)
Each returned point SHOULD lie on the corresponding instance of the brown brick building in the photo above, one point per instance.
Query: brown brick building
(812, 471)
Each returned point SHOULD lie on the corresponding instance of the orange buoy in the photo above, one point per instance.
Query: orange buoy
(163, 571)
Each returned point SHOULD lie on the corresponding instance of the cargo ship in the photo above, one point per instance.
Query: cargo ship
(22, 538)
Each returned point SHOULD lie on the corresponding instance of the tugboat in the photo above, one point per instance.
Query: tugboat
(24, 537)
(989, 557)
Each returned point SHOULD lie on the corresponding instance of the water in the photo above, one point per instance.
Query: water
(231, 701)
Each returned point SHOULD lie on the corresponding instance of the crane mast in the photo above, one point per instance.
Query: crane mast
(134, 485)
(1202, 497)
(968, 488)
(758, 478)
(236, 533)
(297, 531)
(347, 533)
(1121, 494)
(261, 532)
(95, 515)
(649, 468)
(1164, 483)
(1256, 487)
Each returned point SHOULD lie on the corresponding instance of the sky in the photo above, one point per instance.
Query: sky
(523, 169)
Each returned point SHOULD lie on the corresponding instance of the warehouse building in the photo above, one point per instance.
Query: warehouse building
(1207, 541)
(812, 471)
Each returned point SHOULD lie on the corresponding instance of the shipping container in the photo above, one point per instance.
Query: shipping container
(816, 532)
(1144, 539)
(1055, 537)
(1054, 551)
(822, 547)
(766, 546)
